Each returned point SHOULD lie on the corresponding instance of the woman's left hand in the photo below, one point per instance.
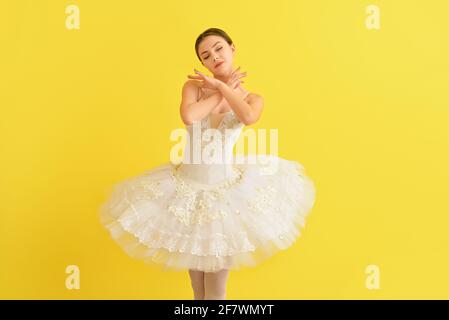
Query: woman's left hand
(208, 82)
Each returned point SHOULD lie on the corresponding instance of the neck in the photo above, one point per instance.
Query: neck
(223, 77)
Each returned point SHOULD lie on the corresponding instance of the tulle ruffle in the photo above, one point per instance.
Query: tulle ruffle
(160, 217)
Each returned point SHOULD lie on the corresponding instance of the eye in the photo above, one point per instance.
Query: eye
(217, 50)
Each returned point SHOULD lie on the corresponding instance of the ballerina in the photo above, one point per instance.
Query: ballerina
(210, 218)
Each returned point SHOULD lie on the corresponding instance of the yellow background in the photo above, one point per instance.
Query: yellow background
(365, 111)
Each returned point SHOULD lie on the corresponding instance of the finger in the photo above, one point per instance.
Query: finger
(235, 75)
(198, 72)
(235, 71)
(241, 75)
(238, 77)
(235, 84)
(193, 77)
(202, 76)
(232, 83)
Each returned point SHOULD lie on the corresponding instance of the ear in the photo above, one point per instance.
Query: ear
(233, 48)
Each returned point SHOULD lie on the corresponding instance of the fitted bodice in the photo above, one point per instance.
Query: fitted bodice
(208, 157)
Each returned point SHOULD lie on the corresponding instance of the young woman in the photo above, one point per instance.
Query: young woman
(212, 215)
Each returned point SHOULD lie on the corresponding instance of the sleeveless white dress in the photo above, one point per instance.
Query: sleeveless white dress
(221, 213)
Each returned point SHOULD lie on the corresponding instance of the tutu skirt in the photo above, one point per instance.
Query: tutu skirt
(162, 217)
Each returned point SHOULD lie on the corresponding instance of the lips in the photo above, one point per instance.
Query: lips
(219, 64)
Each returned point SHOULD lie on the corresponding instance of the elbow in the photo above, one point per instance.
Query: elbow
(254, 112)
(249, 120)
(187, 122)
(186, 119)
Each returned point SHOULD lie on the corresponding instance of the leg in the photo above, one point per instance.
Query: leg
(215, 284)
(197, 282)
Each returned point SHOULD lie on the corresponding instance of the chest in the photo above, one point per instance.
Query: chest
(223, 111)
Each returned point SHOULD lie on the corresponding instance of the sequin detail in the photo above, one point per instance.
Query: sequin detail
(228, 121)
(197, 205)
(150, 190)
(263, 201)
(218, 244)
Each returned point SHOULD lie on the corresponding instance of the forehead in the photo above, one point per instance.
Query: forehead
(208, 42)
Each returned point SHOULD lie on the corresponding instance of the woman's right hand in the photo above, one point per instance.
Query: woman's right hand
(234, 80)
(209, 84)
(234, 83)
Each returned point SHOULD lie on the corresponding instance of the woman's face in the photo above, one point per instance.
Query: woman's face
(213, 50)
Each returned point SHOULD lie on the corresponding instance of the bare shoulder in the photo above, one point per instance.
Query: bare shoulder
(191, 83)
(190, 90)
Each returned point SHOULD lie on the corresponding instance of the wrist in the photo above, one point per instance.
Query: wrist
(221, 86)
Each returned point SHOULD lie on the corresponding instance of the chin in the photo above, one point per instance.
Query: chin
(223, 72)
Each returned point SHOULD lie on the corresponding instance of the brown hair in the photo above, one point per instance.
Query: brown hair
(208, 32)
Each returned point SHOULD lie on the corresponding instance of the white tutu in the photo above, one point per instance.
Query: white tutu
(194, 216)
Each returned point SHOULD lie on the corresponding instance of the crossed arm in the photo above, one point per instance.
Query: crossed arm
(248, 112)
(192, 110)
